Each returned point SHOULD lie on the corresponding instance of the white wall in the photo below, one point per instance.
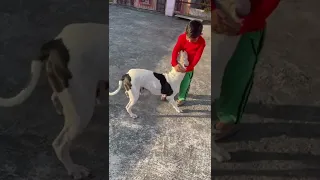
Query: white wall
(170, 7)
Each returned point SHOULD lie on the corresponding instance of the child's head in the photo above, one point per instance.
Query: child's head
(194, 30)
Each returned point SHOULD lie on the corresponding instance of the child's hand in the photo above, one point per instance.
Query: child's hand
(179, 68)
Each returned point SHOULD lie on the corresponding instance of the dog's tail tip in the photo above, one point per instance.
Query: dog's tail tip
(117, 90)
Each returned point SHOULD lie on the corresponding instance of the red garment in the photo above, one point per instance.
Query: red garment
(193, 49)
(256, 19)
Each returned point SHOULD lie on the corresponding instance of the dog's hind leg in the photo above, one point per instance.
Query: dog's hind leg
(56, 103)
(133, 96)
(174, 104)
(73, 126)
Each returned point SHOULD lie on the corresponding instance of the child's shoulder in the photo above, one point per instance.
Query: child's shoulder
(202, 40)
(182, 36)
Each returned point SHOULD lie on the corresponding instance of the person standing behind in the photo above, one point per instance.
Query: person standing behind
(193, 43)
(236, 54)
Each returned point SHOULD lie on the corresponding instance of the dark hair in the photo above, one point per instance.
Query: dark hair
(194, 29)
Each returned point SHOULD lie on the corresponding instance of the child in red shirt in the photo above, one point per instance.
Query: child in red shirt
(193, 43)
(247, 39)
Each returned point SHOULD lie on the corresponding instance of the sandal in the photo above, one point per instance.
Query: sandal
(180, 102)
(223, 131)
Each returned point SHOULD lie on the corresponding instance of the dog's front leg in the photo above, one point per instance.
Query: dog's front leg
(219, 154)
(174, 104)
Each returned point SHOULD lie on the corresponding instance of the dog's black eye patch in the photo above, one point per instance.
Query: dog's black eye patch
(165, 86)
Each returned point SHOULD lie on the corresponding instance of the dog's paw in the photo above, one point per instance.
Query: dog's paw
(226, 156)
(78, 172)
(134, 116)
(222, 157)
(179, 110)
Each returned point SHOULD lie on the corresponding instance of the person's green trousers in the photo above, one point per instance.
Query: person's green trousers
(238, 77)
(185, 86)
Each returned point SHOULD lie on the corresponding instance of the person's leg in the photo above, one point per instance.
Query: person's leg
(184, 88)
(222, 49)
(237, 83)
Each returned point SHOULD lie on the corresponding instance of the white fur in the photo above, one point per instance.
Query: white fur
(142, 78)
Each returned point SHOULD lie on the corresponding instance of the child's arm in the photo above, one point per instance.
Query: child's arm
(196, 57)
(259, 14)
(177, 48)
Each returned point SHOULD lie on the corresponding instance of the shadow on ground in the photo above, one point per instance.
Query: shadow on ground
(282, 124)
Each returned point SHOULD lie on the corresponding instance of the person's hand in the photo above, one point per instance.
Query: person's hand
(223, 24)
(179, 68)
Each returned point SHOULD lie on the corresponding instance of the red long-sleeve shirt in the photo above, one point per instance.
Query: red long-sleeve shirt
(256, 19)
(193, 49)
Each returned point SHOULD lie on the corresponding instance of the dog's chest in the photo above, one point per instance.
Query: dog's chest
(165, 85)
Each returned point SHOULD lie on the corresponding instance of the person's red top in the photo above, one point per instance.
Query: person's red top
(256, 19)
(193, 49)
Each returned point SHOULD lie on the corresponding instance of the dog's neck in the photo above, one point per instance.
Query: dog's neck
(174, 76)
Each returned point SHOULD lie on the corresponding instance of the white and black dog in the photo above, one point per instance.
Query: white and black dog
(167, 84)
(75, 62)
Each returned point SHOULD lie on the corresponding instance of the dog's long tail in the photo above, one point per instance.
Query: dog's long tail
(117, 90)
(36, 66)
(126, 82)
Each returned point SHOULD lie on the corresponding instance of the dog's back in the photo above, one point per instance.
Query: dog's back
(146, 79)
(138, 76)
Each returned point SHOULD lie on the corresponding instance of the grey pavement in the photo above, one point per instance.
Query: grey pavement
(280, 133)
(161, 144)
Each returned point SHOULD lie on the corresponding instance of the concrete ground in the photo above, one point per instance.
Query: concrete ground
(161, 144)
(27, 131)
(280, 137)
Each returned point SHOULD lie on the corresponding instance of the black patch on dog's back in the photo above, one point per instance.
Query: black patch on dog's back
(126, 79)
(58, 45)
(57, 69)
(165, 86)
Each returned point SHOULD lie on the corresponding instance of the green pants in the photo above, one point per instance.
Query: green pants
(185, 86)
(238, 77)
